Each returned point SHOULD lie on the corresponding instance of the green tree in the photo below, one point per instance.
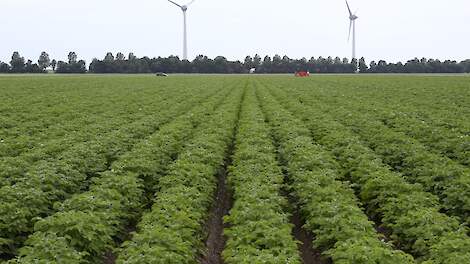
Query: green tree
(363, 66)
(131, 56)
(120, 56)
(73, 66)
(32, 68)
(220, 64)
(267, 65)
(72, 57)
(276, 64)
(287, 64)
(17, 63)
(44, 61)
(382, 67)
(354, 65)
(466, 65)
(109, 57)
(248, 64)
(301, 65)
(373, 66)
(4, 68)
(337, 66)
(53, 64)
(257, 61)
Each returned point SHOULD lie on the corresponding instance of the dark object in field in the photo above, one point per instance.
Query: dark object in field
(162, 74)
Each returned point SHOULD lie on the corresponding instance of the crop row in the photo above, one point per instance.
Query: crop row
(411, 214)
(454, 145)
(431, 129)
(441, 101)
(46, 113)
(173, 231)
(437, 174)
(33, 196)
(329, 207)
(259, 230)
(86, 225)
(14, 168)
(438, 138)
(437, 104)
(63, 131)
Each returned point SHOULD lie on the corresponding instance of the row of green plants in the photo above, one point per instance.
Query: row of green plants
(23, 135)
(16, 165)
(331, 212)
(433, 134)
(443, 140)
(437, 174)
(411, 215)
(427, 124)
(259, 228)
(411, 130)
(431, 110)
(439, 101)
(52, 144)
(37, 112)
(88, 225)
(174, 230)
(32, 197)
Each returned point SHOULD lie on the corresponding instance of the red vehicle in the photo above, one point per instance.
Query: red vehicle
(302, 74)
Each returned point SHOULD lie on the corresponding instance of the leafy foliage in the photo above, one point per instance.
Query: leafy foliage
(377, 167)
(412, 214)
(259, 229)
(32, 195)
(172, 232)
(329, 207)
(91, 221)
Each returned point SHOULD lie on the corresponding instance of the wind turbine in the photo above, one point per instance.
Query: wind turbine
(352, 25)
(184, 8)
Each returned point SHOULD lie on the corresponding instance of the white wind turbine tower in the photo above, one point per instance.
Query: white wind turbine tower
(184, 8)
(352, 25)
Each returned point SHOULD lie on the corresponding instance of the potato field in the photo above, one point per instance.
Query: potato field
(234, 169)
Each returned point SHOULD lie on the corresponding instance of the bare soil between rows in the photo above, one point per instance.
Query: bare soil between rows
(308, 253)
(223, 202)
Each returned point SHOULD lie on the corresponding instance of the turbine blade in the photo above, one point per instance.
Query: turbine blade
(350, 27)
(347, 4)
(190, 3)
(175, 3)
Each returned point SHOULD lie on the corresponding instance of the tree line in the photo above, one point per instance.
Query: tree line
(18, 64)
(203, 64)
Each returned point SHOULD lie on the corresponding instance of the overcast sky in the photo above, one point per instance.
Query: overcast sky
(392, 30)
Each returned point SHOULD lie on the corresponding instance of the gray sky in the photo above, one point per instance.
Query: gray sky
(392, 30)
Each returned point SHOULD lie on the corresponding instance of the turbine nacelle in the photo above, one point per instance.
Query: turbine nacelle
(184, 8)
(353, 17)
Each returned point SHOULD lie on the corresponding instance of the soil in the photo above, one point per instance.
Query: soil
(385, 232)
(109, 258)
(216, 240)
(308, 253)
